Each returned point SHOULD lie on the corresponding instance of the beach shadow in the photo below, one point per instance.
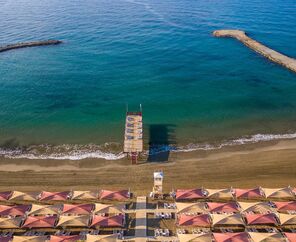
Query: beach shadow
(161, 140)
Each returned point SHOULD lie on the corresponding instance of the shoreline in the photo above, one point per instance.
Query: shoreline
(113, 151)
(180, 156)
(269, 164)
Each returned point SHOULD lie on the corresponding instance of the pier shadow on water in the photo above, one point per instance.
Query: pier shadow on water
(161, 140)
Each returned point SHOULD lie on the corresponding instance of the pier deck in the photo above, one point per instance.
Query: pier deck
(133, 137)
(288, 62)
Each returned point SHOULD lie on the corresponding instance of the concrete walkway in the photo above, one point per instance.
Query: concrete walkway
(141, 220)
(157, 210)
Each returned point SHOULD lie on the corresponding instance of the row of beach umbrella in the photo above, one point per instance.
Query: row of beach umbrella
(238, 237)
(237, 220)
(62, 221)
(60, 209)
(237, 207)
(45, 196)
(259, 193)
(60, 238)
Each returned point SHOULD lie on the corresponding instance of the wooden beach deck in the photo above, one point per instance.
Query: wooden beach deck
(133, 137)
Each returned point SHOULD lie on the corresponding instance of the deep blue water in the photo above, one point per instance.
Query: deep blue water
(194, 88)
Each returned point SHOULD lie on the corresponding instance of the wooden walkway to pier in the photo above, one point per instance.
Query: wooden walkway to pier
(288, 62)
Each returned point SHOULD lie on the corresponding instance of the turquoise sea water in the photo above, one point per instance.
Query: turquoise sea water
(195, 89)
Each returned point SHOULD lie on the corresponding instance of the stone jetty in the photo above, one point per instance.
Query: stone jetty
(270, 54)
(29, 44)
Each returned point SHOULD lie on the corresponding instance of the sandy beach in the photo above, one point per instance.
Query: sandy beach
(268, 164)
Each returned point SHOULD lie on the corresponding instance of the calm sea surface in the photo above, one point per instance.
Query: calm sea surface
(194, 88)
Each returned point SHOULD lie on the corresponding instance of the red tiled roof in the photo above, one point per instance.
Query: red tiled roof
(264, 219)
(114, 195)
(79, 209)
(5, 195)
(113, 221)
(230, 207)
(285, 206)
(231, 237)
(16, 210)
(291, 237)
(54, 196)
(190, 194)
(64, 238)
(249, 193)
(40, 222)
(5, 239)
(203, 220)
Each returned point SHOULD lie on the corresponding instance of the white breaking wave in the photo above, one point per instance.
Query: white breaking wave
(106, 151)
(63, 152)
(241, 141)
(74, 156)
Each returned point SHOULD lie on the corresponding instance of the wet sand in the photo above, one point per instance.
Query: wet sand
(269, 164)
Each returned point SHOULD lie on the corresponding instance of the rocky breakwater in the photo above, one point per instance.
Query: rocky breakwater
(288, 62)
(29, 44)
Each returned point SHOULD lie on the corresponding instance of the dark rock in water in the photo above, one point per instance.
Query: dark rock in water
(29, 44)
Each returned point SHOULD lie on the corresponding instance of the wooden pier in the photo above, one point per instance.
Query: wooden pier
(288, 62)
(133, 136)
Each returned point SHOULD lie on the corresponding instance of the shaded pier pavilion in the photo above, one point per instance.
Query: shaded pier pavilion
(133, 136)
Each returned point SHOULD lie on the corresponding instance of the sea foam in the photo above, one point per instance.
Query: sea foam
(110, 151)
(240, 141)
(64, 152)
